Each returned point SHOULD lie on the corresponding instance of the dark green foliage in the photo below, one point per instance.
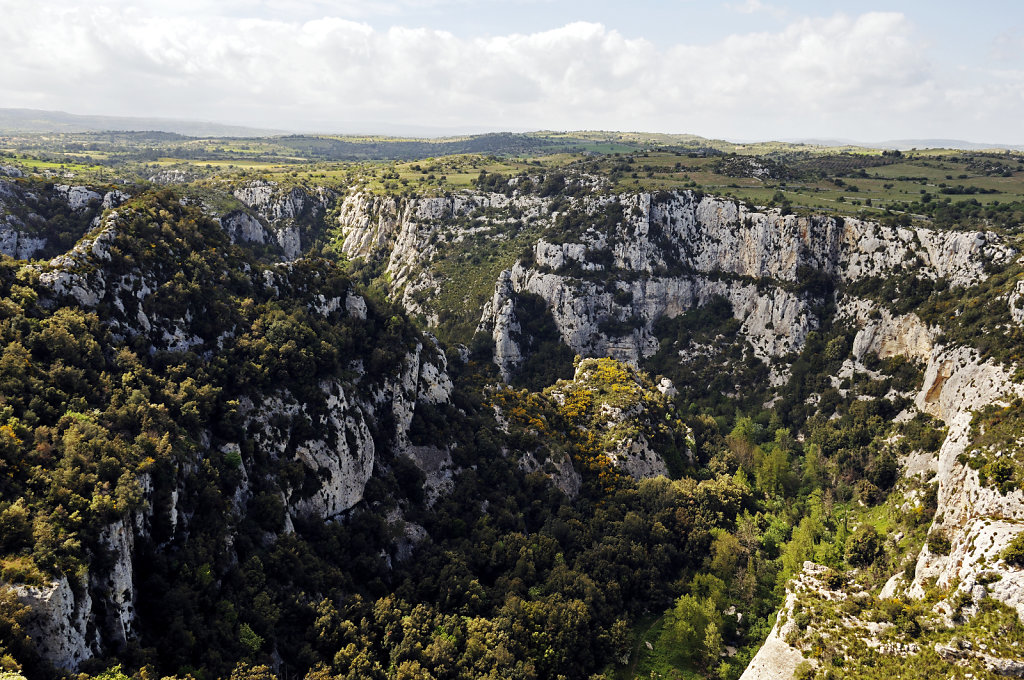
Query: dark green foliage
(864, 547)
(938, 542)
(493, 182)
(977, 316)
(84, 414)
(546, 358)
(40, 212)
(966, 213)
(516, 580)
(709, 383)
(995, 449)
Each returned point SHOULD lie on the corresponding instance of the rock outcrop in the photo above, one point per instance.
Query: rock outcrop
(16, 243)
(286, 211)
(341, 469)
(59, 621)
(778, 659)
(608, 266)
(73, 621)
(244, 228)
(27, 209)
(887, 335)
(980, 520)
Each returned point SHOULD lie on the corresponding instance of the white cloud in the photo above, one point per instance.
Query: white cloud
(753, 6)
(865, 76)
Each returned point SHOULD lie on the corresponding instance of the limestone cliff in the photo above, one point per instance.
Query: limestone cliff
(287, 212)
(609, 266)
(979, 520)
(35, 221)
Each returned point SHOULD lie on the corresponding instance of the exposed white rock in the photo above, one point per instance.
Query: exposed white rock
(11, 171)
(355, 305)
(74, 274)
(78, 197)
(243, 227)
(117, 587)
(957, 381)
(59, 621)
(343, 469)
(885, 334)
(437, 467)
(893, 587)
(64, 622)
(638, 459)
(17, 244)
(701, 235)
(558, 467)
(325, 306)
(177, 340)
(290, 242)
(409, 232)
(172, 176)
(113, 199)
(265, 198)
(499, 314)
(775, 322)
(1016, 302)
(435, 386)
(411, 535)
(666, 387)
(281, 208)
(979, 520)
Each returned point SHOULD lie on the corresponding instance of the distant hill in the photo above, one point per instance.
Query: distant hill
(906, 144)
(32, 120)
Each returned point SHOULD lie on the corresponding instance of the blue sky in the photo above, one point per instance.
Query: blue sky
(747, 69)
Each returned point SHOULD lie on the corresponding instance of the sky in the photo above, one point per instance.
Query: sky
(740, 70)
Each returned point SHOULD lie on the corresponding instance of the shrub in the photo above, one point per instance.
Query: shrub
(1014, 553)
(804, 671)
(833, 579)
(864, 547)
(938, 543)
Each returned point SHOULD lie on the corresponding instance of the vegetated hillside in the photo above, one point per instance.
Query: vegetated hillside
(233, 445)
(37, 121)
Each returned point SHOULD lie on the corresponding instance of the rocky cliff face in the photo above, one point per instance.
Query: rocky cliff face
(759, 261)
(411, 233)
(979, 520)
(32, 217)
(286, 212)
(607, 280)
(74, 620)
(778, 658)
(607, 269)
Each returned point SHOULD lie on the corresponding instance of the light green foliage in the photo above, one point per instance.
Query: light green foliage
(113, 673)
(690, 626)
(248, 637)
(843, 650)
